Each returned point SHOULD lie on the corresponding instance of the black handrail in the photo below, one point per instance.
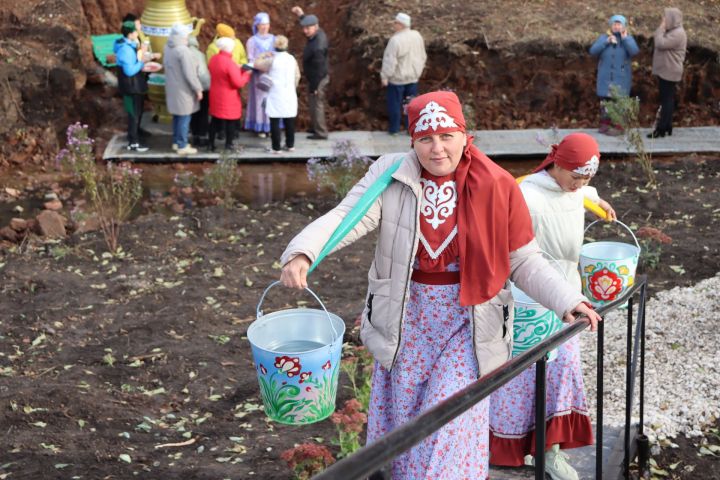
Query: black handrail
(371, 458)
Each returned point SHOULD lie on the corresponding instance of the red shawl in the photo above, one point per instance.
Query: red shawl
(493, 219)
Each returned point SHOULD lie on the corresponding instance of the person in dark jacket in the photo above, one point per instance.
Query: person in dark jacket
(132, 84)
(614, 51)
(315, 67)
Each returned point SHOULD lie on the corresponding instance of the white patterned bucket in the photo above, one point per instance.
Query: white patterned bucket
(533, 323)
(297, 358)
(607, 269)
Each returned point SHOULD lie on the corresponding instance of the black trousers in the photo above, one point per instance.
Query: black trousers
(227, 126)
(289, 132)
(667, 105)
(133, 105)
(200, 120)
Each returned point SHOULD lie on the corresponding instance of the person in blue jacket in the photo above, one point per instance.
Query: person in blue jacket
(614, 50)
(132, 84)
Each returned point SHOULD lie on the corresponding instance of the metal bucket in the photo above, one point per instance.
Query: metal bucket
(533, 323)
(297, 357)
(607, 269)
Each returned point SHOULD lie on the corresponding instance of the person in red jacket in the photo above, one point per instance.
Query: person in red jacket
(226, 78)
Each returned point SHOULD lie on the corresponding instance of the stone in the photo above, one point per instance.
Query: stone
(51, 196)
(18, 209)
(90, 223)
(12, 192)
(18, 224)
(53, 205)
(52, 224)
(7, 233)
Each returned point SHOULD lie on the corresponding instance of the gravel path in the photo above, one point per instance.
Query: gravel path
(682, 370)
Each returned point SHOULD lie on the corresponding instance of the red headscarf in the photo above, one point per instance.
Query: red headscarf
(493, 219)
(578, 152)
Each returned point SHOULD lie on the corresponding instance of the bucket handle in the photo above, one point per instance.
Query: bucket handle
(555, 260)
(637, 244)
(259, 312)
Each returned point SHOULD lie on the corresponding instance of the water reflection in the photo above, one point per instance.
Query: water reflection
(259, 183)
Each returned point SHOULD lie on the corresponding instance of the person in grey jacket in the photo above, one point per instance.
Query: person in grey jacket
(453, 229)
(200, 120)
(183, 90)
(670, 45)
(614, 51)
(402, 65)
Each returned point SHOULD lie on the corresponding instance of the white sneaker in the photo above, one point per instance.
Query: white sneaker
(556, 465)
(262, 135)
(187, 150)
(174, 147)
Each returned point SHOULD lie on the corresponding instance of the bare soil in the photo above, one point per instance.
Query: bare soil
(526, 69)
(108, 356)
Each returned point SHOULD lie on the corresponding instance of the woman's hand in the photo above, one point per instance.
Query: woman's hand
(609, 210)
(297, 11)
(583, 308)
(294, 273)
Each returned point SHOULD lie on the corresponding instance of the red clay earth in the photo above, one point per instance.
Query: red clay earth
(102, 357)
(528, 69)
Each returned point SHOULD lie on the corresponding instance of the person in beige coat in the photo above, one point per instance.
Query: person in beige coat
(453, 230)
(670, 44)
(402, 65)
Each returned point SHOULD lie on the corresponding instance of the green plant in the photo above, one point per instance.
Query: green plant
(307, 459)
(349, 423)
(341, 171)
(112, 192)
(221, 179)
(651, 242)
(358, 365)
(625, 111)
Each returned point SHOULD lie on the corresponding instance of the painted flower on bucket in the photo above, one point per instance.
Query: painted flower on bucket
(605, 285)
(327, 365)
(263, 370)
(288, 365)
(304, 376)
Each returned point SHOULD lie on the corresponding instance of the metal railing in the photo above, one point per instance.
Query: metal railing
(371, 458)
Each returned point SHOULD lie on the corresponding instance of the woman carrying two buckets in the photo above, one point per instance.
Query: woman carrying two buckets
(554, 193)
(453, 229)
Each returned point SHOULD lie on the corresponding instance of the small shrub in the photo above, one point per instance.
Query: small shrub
(307, 459)
(349, 422)
(341, 171)
(358, 366)
(112, 192)
(625, 111)
(651, 241)
(221, 179)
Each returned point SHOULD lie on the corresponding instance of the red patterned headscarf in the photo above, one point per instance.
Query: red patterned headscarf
(493, 219)
(578, 152)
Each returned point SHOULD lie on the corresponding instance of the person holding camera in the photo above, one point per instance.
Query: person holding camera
(614, 50)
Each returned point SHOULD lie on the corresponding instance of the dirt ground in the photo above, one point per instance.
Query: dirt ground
(103, 357)
(526, 69)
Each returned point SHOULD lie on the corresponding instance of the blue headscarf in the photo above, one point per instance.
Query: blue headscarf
(260, 18)
(618, 18)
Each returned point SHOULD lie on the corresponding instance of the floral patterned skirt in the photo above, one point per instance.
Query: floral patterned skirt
(435, 360)
(512, 410)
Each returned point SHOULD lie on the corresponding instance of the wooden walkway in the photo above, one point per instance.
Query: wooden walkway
(495, 143)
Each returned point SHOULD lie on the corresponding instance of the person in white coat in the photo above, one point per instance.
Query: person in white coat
(554, 195)
(281, 102)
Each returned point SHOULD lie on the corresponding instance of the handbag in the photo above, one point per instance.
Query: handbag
(264, 82)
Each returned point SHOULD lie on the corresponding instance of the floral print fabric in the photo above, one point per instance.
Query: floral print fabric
(435, 360)
(512, 409)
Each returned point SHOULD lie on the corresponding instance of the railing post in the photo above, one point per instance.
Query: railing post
(628, 390)
(540, 393)
(600, 395)
(643, 441)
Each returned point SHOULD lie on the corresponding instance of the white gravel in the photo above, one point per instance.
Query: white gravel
(682, 369)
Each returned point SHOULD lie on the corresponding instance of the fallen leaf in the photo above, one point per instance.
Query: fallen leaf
(125, 458)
